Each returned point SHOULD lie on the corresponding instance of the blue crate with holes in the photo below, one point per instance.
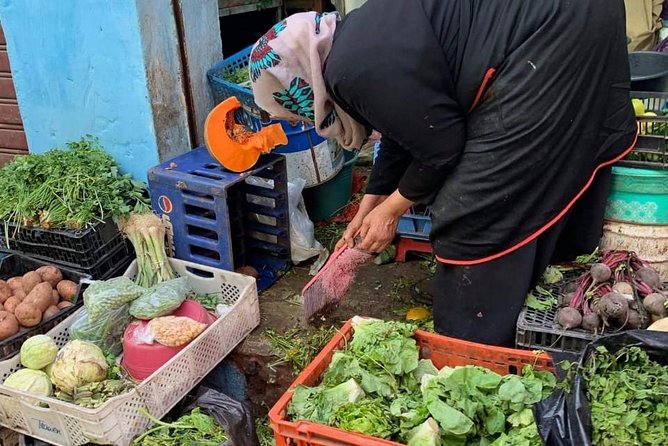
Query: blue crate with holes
(250, 114)
(223, 219)
(415, 224)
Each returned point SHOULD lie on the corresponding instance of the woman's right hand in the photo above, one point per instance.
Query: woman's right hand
(368, 204)
(348, 237)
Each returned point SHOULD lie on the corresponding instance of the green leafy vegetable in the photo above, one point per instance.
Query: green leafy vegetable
(380, 387)
(388, 344)
(67, 189)
(426, 434)
(194, 429)
(552, 275)
(318, 404)
(541, 299)
(237, 76)
(628, 394)
(370, 417)
(208, 301)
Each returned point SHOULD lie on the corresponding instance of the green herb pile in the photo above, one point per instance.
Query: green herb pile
(378, 386)
(67, 189)
(194, 429)
(237, 76)
(628, 394)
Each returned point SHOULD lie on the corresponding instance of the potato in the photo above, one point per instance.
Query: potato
(30, 280)
(64, 304)
(19, 294)
(15, 283)
(11, 304)
(67, 290)
(5, 291)
(28, 314)
(9, 326)
(56, 297)
(50, 312)
(41, 296)
(50, 274)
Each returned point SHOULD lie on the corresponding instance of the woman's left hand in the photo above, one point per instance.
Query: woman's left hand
(378, 229)
(380, 225)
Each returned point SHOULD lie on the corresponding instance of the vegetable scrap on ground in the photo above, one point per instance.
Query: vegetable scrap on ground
(195, 428)
(378, 385)
(612, 290)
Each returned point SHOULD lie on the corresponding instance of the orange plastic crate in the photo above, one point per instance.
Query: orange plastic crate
(442, 350)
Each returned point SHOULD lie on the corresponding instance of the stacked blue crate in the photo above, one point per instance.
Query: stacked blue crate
(223, 219)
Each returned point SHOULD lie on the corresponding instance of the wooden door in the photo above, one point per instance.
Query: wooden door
(12, 138)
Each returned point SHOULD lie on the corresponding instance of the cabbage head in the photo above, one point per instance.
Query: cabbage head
(31, 381)
(77, 364)
(38, 352)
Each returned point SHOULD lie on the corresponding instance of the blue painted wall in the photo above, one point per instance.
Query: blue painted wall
(79, 69)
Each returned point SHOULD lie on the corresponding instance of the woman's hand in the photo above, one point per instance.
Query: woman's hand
(380, 226)
(368, 204)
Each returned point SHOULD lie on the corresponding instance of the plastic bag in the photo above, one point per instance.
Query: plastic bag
(161, 299)
(106, 332)
(302, 232)
(108, 295)
(235, 417)
(564, 419)
(174, 331)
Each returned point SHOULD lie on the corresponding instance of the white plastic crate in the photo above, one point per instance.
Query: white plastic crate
(9, 438)
(119, 420)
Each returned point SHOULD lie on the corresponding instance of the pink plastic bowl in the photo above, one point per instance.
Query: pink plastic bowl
(141, 360)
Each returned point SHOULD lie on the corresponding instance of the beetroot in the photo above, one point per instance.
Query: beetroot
(623, 288)
(600, 272)
(655, 304)
(569, 318)
(650, 277)
(613, 306)
(564, 300)
(591, 322)
(635, 320)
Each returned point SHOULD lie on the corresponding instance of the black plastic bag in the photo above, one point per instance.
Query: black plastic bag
(564, 419)
(234, 416)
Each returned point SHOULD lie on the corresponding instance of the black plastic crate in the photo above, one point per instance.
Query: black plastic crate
(78, 249)
(539, 330)
(75, 259)
(15, 265)
(106, 264)
(651, 150)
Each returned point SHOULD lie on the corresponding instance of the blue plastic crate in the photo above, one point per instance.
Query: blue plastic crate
(249, 115)
(223, 219)
(415, 224)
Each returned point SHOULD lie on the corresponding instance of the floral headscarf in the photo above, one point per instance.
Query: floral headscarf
(286, 67)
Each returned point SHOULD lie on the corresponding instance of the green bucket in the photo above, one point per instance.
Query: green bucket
(638, 196)
(326, 199)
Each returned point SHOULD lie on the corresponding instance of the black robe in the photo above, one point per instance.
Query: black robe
(495, 112)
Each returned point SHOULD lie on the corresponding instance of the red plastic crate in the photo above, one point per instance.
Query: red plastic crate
(442, 350)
